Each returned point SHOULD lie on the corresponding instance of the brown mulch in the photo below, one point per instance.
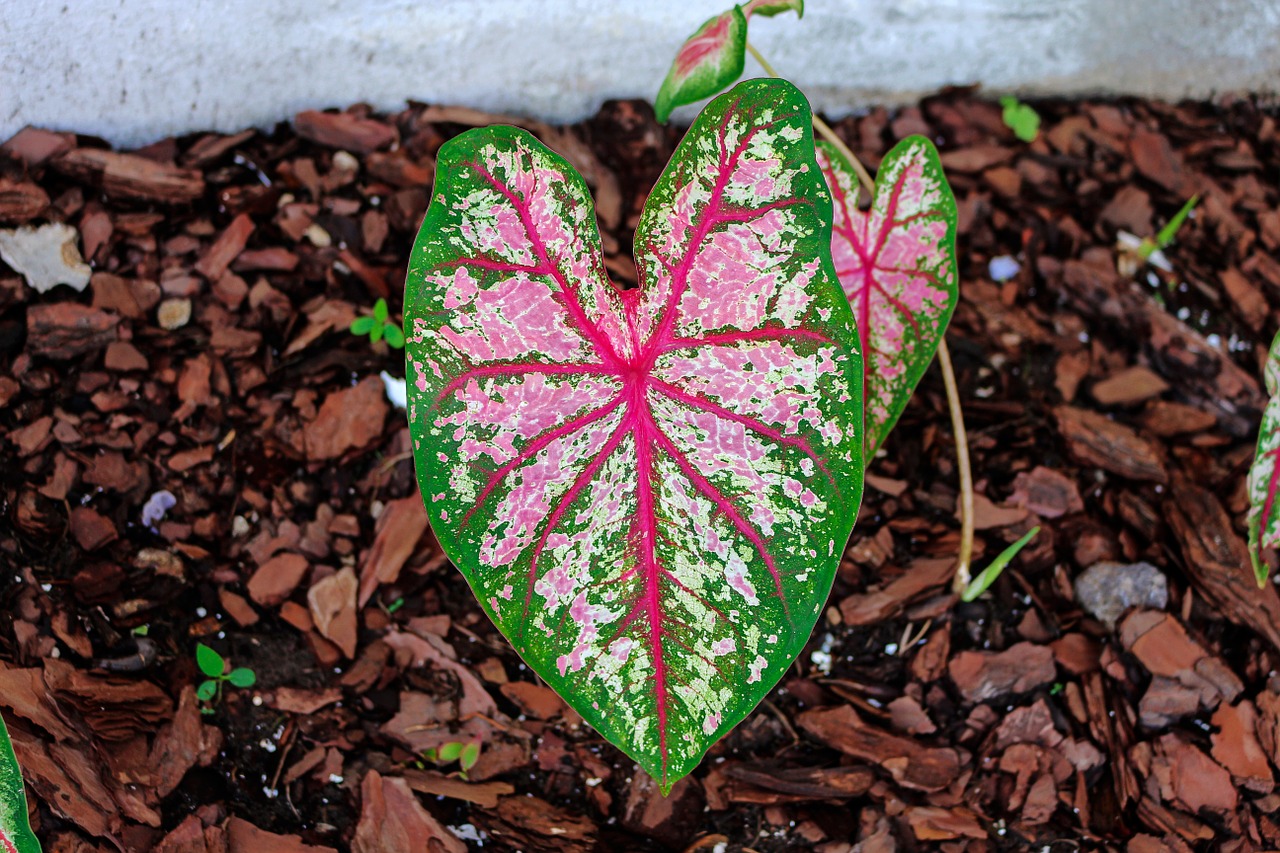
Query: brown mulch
(209, 359)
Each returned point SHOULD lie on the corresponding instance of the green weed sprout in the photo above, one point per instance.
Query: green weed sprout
(1165, 236)
(378, 327)
(214, 665)
(1134, 251)
(987, 576)
(466, 754)
(1020, 118)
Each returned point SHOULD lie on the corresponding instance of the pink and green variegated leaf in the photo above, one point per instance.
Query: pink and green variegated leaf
(769, 8)
(15, 830)
(897, 264)
(710, 60)
(648, 490)
(1264, 474)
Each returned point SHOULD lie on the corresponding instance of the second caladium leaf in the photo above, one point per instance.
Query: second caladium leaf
(15, 830)
(711, 59)
(897, 264)
(1264, 475)
(648, 490)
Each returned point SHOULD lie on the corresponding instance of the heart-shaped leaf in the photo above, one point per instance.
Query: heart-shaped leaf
(896, 261)
(15, 830)
(711, 59)
(1264, 474)
(648, 490)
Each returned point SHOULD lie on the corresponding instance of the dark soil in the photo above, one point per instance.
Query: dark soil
(209, 357)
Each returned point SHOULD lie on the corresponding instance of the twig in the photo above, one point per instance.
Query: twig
(944, 361)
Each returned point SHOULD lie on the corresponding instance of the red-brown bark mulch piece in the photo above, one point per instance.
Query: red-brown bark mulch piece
(980, 676)
(393, 821)
(911, 763)
(347, 420)
(128, 176)
(1097, 440)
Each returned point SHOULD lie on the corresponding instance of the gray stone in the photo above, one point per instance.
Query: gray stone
(1107, 590)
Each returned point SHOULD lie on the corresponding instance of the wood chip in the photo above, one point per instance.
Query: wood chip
(348, 419)
(1046, 492)
(276, 579)
(921, 577)
(911, 763)
(129, 176)
(980, 676)
(393, 821)
(1097, 440)
(21, 201)
(483, 794)
(1236, 747)
(333, 609)
(930, 823)
(401, 525)
(344, 130)
(1131, 385)
(244, 837)
(1217, 560)
(226, 248)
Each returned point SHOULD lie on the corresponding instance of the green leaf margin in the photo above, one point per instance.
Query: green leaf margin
(13, 798)
(1264, 473)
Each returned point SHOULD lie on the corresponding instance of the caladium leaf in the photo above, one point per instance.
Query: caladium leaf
(896, 262)
(648, 490)
(769, 8)
(711, 59)
(1264, 474)
(15, 830)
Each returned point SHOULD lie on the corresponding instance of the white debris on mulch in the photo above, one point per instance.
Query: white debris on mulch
(397, 393)
(46, 256)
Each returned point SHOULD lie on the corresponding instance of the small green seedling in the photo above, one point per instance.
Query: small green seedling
(1020, 118)
(378, 327)
(466, 754)
(214, 665)
(1165, 236)
(1136, 251)
(988, 576)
